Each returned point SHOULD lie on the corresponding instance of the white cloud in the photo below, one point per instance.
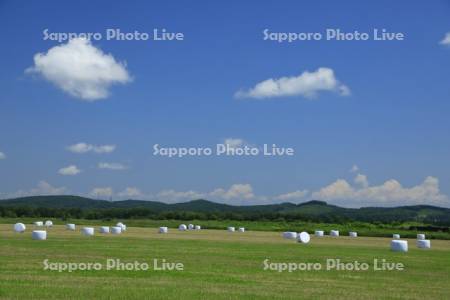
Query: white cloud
(100, 192)
(361, 180)
(446, 40)
(236, 191)
(2, 155)
(390, 193)
(111, 166)
(130, 192)
(43, 188)
(293, 196)
(80, 69)
(175, 196)
(234, 142)
(307, 84)
(85, 148)
(69, 170)
(354, 169)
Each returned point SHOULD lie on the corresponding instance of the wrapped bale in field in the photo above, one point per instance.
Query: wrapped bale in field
(334, 233)
(70, 227)
(88, 231)
(116, 230)
(241, 229)
(39, 235)
(303, 237)
(231, 229)
(353, 234)
(423, 244)
(48, 223)
(396, 236)
(191, 227)
(19, 227)
(104, 229)
(399, 246)
(198, 227)
(420, 236)
(39, 223)
(290, 235)
(318, 233)
(182, 227)
(163, 230)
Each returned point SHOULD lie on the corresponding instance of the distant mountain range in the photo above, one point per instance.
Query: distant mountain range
(314, 210)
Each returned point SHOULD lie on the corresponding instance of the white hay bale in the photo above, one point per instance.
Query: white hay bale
(48, 223)
(396, 236)
(39, 223)
(231, 229)
(70, 227)
(334, 233)
(399, 246)
(182, 227)
(420, 236)
(353, 234)
(198, 227)
(241, 229)
(122, 226)
(104, 229)
(424, 244)
(39, 235)
(303, 237)
(191, 227)
(163, 229)
(116, 230)
(88, 231)
(290, 235)
(318, 233)
(19, 227)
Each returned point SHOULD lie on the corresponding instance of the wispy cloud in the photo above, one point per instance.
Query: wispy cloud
(307, 84)
(85, 148)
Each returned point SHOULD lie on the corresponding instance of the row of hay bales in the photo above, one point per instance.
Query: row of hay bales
(87, 231)
(396, 244)
(184, 227)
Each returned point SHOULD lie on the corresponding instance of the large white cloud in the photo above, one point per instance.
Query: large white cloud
(307, 84)
(69, 170)
(236, 191)
(2, 155)
(80, 69)
(85, 148)
(446, 39)
(390, 193)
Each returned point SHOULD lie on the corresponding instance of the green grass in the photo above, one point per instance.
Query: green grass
(217, 265)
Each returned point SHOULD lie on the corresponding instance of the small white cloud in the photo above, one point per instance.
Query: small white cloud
(111, 166)
(354, 169)
(446, 40)
(100, 192)
(130, 192)
(307, 84)
(2, 155)
(297, 195)
(69, 171)
(85, 148)
(80, 69)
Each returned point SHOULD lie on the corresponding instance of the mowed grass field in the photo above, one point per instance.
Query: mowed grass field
(217, 265)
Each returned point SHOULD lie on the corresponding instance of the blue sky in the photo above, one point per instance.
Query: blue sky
(393, 126)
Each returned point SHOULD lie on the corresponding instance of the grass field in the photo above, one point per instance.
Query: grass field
(217, 265)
